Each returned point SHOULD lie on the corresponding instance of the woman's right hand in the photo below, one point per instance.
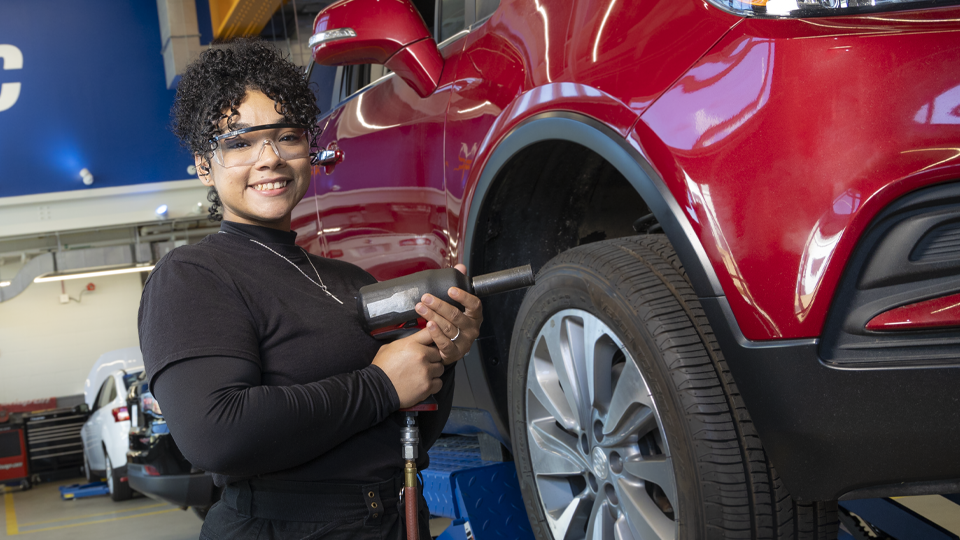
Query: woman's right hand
(413, 365)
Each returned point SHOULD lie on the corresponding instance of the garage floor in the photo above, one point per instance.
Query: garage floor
(40, 513)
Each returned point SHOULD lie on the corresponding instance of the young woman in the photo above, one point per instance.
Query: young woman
(254, 348)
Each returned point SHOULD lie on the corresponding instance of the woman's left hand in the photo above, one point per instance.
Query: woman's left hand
(452, 331)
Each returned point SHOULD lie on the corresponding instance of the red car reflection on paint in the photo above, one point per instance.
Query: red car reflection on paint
(721, 196)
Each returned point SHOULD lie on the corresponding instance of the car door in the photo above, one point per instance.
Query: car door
(383, 207)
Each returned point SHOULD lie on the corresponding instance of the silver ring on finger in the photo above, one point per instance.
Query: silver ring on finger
(454, 338)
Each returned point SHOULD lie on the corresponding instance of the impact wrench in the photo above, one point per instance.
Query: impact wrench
(388, 312)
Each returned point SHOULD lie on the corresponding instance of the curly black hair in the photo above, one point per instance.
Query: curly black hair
(213, 86)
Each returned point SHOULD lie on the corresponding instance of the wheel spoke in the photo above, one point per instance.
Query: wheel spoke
(645, 518)
(543, 381)
(640, 422)
(656, 469)
(570, 522)
(565, 343)
(629, 395)
(599, 349)
(621, 529)
(600, 525)
(554, 452)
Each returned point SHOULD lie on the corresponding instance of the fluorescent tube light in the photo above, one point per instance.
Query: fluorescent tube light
(45, 279)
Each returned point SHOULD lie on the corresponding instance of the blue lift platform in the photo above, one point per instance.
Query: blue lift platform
(482, 498)
(79, 491)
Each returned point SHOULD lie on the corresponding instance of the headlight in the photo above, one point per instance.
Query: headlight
(821, 8)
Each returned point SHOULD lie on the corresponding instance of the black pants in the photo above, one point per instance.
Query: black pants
(273, 510)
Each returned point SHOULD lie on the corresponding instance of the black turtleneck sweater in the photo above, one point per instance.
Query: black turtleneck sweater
(261, 374)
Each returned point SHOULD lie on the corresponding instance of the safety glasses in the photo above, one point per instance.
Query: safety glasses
(245, 146)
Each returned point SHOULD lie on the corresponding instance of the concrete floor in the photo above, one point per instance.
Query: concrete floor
(40, 513)
(43, 515)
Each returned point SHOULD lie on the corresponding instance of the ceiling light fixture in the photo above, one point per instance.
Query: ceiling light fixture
(4, 283)
(44, 279)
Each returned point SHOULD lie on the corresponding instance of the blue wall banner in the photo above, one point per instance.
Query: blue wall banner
(82, 87)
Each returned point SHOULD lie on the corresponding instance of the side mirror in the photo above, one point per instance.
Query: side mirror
(389, 32)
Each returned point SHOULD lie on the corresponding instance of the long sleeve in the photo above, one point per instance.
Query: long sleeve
(225, 422)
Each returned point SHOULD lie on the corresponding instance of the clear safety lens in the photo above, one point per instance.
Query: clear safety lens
(246, 146)
(819, 8)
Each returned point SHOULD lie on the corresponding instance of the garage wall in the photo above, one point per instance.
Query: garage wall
(47, 348)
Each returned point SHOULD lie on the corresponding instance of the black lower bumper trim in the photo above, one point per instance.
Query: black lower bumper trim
(830, 431)
(178, 489)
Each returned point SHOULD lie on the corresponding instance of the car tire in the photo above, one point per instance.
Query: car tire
(119, 488)
(625, 420)
(87, 472)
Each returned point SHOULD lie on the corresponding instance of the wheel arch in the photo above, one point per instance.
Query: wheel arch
(528, 138)
(597, 137)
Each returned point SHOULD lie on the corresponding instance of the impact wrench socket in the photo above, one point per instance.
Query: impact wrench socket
(391, 303)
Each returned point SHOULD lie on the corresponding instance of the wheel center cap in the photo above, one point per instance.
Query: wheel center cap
(599, 463)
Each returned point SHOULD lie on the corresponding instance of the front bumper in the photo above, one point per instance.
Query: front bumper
(177, 489)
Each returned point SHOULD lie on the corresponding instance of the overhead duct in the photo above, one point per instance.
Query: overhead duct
(83, 259)
(75, 261)
(35, 267)
(92, 250)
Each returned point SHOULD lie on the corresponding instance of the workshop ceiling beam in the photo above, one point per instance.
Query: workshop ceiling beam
(233, 18)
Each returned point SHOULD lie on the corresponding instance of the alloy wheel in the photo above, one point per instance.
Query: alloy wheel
(600, 460)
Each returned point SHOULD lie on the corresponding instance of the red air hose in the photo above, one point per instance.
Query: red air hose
(410, 495)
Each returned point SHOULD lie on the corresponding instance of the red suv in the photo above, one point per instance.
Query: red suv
(745, 215)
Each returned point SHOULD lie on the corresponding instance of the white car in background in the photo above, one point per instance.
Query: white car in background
(106, 433)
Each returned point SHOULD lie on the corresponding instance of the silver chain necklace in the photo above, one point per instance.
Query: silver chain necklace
(320, 284)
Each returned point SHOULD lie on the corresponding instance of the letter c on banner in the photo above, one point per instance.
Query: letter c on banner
(11, 58)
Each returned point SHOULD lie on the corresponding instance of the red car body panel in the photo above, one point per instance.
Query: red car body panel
(779, 175)
(776, 143)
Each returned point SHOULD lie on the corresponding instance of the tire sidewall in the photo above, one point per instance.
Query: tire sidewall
(571, 286)
(88, 474)
(108, 472)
